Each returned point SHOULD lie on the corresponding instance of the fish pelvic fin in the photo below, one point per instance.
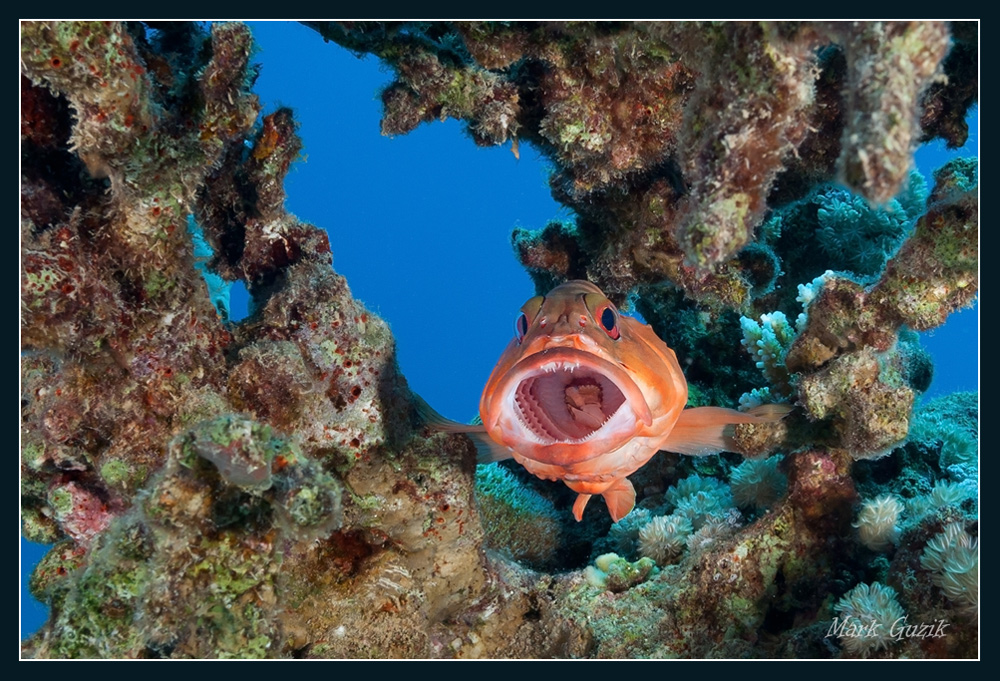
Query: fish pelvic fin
(709, 430)
(487, 450)
(579, 505)
(620, 499)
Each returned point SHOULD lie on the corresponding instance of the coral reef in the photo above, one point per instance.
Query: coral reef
(623, 537)
(668, 137)
(700, 499)
(853, 236)
(889, 65)
(184, 460)
(768, 343)
(264, 488)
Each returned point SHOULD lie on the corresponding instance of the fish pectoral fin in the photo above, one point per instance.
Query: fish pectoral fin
(770, 412)
(579, 505)
(709, 430)
(433, 420)
(620, 499)
(487, 450)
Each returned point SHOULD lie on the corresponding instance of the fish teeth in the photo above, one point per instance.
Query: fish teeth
(554, 365)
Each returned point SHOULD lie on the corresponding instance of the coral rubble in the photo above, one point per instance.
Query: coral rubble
(264, 489)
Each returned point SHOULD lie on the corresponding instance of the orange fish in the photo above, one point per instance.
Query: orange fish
(586, 395)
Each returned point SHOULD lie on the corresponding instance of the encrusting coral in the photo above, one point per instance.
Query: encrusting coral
(263, 488)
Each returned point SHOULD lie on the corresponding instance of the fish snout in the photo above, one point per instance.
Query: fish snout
(571, 340)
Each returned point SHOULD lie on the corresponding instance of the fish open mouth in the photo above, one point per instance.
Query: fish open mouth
(566, 401)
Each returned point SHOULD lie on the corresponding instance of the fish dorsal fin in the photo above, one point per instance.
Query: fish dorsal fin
(709, 430)
(486, 449)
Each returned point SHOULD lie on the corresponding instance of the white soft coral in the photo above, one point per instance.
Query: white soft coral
(877, 522)
(663, 538)
(953, 558)
(869, 614)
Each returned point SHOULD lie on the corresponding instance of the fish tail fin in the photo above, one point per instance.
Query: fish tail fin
(487, 450)
(709, 430)
(620, 499)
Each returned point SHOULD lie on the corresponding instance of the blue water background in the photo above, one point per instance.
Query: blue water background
(420, 227)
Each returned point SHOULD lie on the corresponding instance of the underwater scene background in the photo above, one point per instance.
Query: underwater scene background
(388, 540)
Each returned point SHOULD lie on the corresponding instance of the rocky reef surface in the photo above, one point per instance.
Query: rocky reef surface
(264, 488)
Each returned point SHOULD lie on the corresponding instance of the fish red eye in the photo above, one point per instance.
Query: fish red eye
(521, 327)
(609, 322)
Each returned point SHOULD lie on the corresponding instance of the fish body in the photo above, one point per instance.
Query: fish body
(586, 395)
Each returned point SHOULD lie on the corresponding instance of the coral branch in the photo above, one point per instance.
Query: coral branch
(670, 138)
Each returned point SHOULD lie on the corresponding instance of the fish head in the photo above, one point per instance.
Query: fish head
(580, 380)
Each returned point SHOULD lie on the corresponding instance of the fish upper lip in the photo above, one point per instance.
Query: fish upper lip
(561, 358)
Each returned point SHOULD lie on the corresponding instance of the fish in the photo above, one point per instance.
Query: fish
(586, 395)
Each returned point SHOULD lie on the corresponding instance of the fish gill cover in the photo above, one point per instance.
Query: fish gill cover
(262, 487)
